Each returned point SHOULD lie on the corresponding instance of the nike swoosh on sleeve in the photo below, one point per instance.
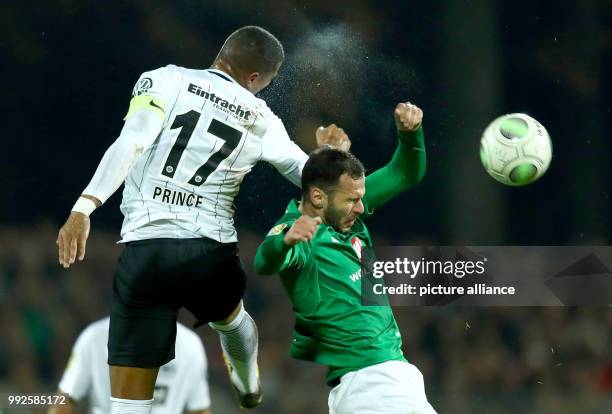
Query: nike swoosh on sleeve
(152, 103)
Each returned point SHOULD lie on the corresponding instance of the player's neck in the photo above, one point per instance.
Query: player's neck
(224, 67)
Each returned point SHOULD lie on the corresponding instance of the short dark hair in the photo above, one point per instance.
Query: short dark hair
(325, 166)
(252, 49)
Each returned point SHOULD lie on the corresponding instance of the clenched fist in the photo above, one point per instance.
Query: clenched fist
(333, 136)
(408, 117)
(302, 230)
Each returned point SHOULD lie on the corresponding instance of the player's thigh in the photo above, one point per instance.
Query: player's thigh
(405, 388)
(352, 395)
(392, 387)
(217, 290)
(143, 313)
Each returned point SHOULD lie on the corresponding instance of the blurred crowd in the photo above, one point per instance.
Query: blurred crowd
(474, 360)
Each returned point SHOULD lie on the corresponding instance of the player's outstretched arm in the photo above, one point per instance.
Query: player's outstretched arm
(408, 164)
(281, 250)
(138, 133)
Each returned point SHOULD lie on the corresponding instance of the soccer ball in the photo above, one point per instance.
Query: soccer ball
(515, 149)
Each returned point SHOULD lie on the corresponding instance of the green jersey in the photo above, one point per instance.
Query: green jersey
(323, 277)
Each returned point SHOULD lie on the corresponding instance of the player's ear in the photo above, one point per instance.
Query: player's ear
(253, 77)
(318, 198)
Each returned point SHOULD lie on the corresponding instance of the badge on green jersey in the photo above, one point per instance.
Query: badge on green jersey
(276, 230)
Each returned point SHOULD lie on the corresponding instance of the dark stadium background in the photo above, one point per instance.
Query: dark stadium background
(68, 68)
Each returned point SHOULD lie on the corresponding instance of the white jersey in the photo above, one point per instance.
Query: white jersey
(181, 385)
(214, 131)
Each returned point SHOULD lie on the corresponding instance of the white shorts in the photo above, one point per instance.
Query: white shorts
(393, 387)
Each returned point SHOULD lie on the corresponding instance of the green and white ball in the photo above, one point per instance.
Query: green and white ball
(515, 149)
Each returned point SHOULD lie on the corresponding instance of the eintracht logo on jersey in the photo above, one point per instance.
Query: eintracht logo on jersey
(357, 246)
(142, 86)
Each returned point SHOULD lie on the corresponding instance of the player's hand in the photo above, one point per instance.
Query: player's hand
(72, 238)
(302, 230)
(408, 117)
(333, 136)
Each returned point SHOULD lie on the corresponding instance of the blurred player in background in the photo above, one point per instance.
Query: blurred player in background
(181, 386)
(189, 138)
(316, 248)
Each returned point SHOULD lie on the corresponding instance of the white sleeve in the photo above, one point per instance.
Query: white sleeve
(162, 84)
(76, 380)
(155, 92)
(282, 153)
(199, 394)
(139, 132)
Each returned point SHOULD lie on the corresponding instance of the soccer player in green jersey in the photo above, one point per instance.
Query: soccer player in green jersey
(316, 249)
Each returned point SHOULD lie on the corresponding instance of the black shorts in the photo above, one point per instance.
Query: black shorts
(154, 279)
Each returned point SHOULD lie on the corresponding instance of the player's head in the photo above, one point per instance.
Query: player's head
(333, 184)
(253, 57)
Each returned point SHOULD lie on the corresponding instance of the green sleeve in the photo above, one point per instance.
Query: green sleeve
(273, 255)
(405, 170)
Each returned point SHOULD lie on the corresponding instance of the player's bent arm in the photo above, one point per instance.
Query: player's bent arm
(140, 130)
(292, 167)
(67, 408)
(289, 160)
(405, 170)
(284, 154)
(271, 254)
(275, 255)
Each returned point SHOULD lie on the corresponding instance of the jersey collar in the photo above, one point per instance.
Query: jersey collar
(293, 208)
(222, 74)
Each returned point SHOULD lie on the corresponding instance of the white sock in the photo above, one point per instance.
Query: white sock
(239, 341)
(122, 406)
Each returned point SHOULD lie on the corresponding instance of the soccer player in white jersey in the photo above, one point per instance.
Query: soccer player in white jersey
(181, 385)
(189, 138)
